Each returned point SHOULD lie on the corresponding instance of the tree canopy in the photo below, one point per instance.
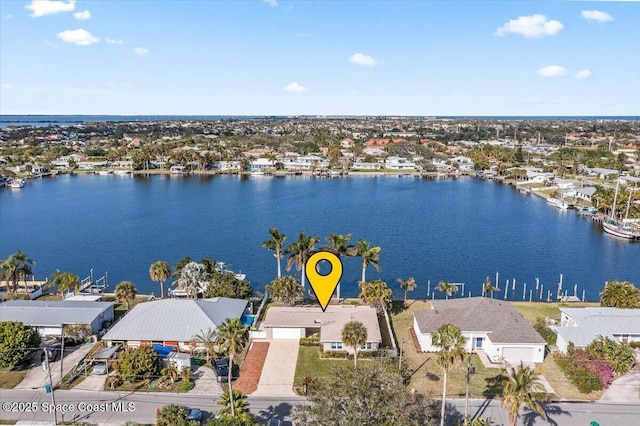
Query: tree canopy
(620, 294)
(17, 341)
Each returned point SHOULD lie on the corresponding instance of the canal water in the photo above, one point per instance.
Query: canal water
(459, 230)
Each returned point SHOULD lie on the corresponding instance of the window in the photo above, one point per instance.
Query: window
(366, 347)
(336, 345)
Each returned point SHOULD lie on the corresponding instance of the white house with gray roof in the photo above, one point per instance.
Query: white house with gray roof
(174, 322)
(48, 317)
(489, 325)
(304, 321)
(583, 325)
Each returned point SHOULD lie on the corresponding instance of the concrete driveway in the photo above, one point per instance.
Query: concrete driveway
(279, 369)
(625, 390)
(36, 376)
(205, 381)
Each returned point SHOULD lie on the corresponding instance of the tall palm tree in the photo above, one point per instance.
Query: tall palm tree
(447, 288)
(159, 272)
(232, 338)
(407, 285)
(523, 388)
(207, 339)
(378, 294)
(451, 342)
(488, 287)
(299, 252)
(9, 273)
(66, 281)
(370, 256)
(275, 243)
(16, 267)
(235, 404)
(339, 245)
(354, 334)
(193, 278)
(126, 292)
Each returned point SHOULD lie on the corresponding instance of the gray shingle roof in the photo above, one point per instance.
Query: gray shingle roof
(175, 319)
(330, 322)
(52, 313)
(595, 321)
(479, 314)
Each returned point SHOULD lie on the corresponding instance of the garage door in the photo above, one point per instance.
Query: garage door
(286, 333)
(516, 354)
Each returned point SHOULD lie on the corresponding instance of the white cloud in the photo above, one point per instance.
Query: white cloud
(596, 15)
(365, 60)
(78, 37)
(82, 16)
(553, 71)
(295, 87)
(141, 51)
(272, 3)
(112, 41)
(46, 7)
(581, 75)
(530, 26)
(6, 86)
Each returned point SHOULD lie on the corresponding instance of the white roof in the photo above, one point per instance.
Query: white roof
(595, 321)
(175, 319)
(38, 313)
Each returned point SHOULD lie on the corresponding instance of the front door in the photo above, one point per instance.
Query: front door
(479, 341)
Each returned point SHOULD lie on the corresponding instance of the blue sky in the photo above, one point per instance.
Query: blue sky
(302, 57)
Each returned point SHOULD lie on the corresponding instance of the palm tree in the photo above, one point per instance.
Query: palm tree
(370, 256)
(171, 372)
(206, 339)
(488, 287)
(286, 289)
(523, 388)
(192, 278)
(339, 245)
(8, 269)
(354, 334)
(232, 337)
(66, 281)
(17, 266)
(275, 243)
(407, 285)
(451, 342)
(177, 269)
(299, 252)
(235, 404)
(126, 292)
(159, 272)
(447, 287)
(620, 294)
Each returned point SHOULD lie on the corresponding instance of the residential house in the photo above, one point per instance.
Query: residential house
(362, 165)
(297, 322)
(585, 193)
(261, 164)
(48, 317)
(490, 326)
(399, 163)
(174, 322)
(582, 326)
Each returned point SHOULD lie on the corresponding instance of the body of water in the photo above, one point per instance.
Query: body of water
(459, 230)
(68, 120)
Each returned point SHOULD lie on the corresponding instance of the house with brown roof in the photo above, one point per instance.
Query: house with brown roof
(282, 322)
(490, 326)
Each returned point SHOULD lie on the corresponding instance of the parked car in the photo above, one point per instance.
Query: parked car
(100, 368)
(274, 422)
(52, 350)
(194, 413)
(221, 368)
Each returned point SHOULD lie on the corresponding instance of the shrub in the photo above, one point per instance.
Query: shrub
(333, 354)
(586, 373)
(368, 354)
(617, 355)
(17, 341)
(138, 364)
(186, 386)
(547, 334)
(635, 345)
(309, 341)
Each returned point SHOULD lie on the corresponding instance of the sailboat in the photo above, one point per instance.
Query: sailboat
(618, 228)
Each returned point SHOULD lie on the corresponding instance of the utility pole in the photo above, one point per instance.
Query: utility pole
(61, 351)
(471, 369)
(400, 360)
(53, 398)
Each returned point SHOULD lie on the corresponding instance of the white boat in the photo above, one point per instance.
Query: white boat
(224, 269)
(104, 172)
(525, 190)
(257, 173)
(552, 200)
(562, 204)
(16, 184)
(334, 173)
(619, 228)
(122, 172)
(587, 211)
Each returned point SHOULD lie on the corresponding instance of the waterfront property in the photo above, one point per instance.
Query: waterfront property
(582, 326)
(297, 322)
(490, 327)
(173, 322)
(48, 317)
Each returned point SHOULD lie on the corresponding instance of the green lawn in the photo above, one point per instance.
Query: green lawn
(532, 310)
(10, 378)
(311, 365)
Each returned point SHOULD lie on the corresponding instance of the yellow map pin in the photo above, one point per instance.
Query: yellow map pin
(324, 285)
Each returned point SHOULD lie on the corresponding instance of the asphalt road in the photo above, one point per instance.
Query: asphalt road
(116, 408)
